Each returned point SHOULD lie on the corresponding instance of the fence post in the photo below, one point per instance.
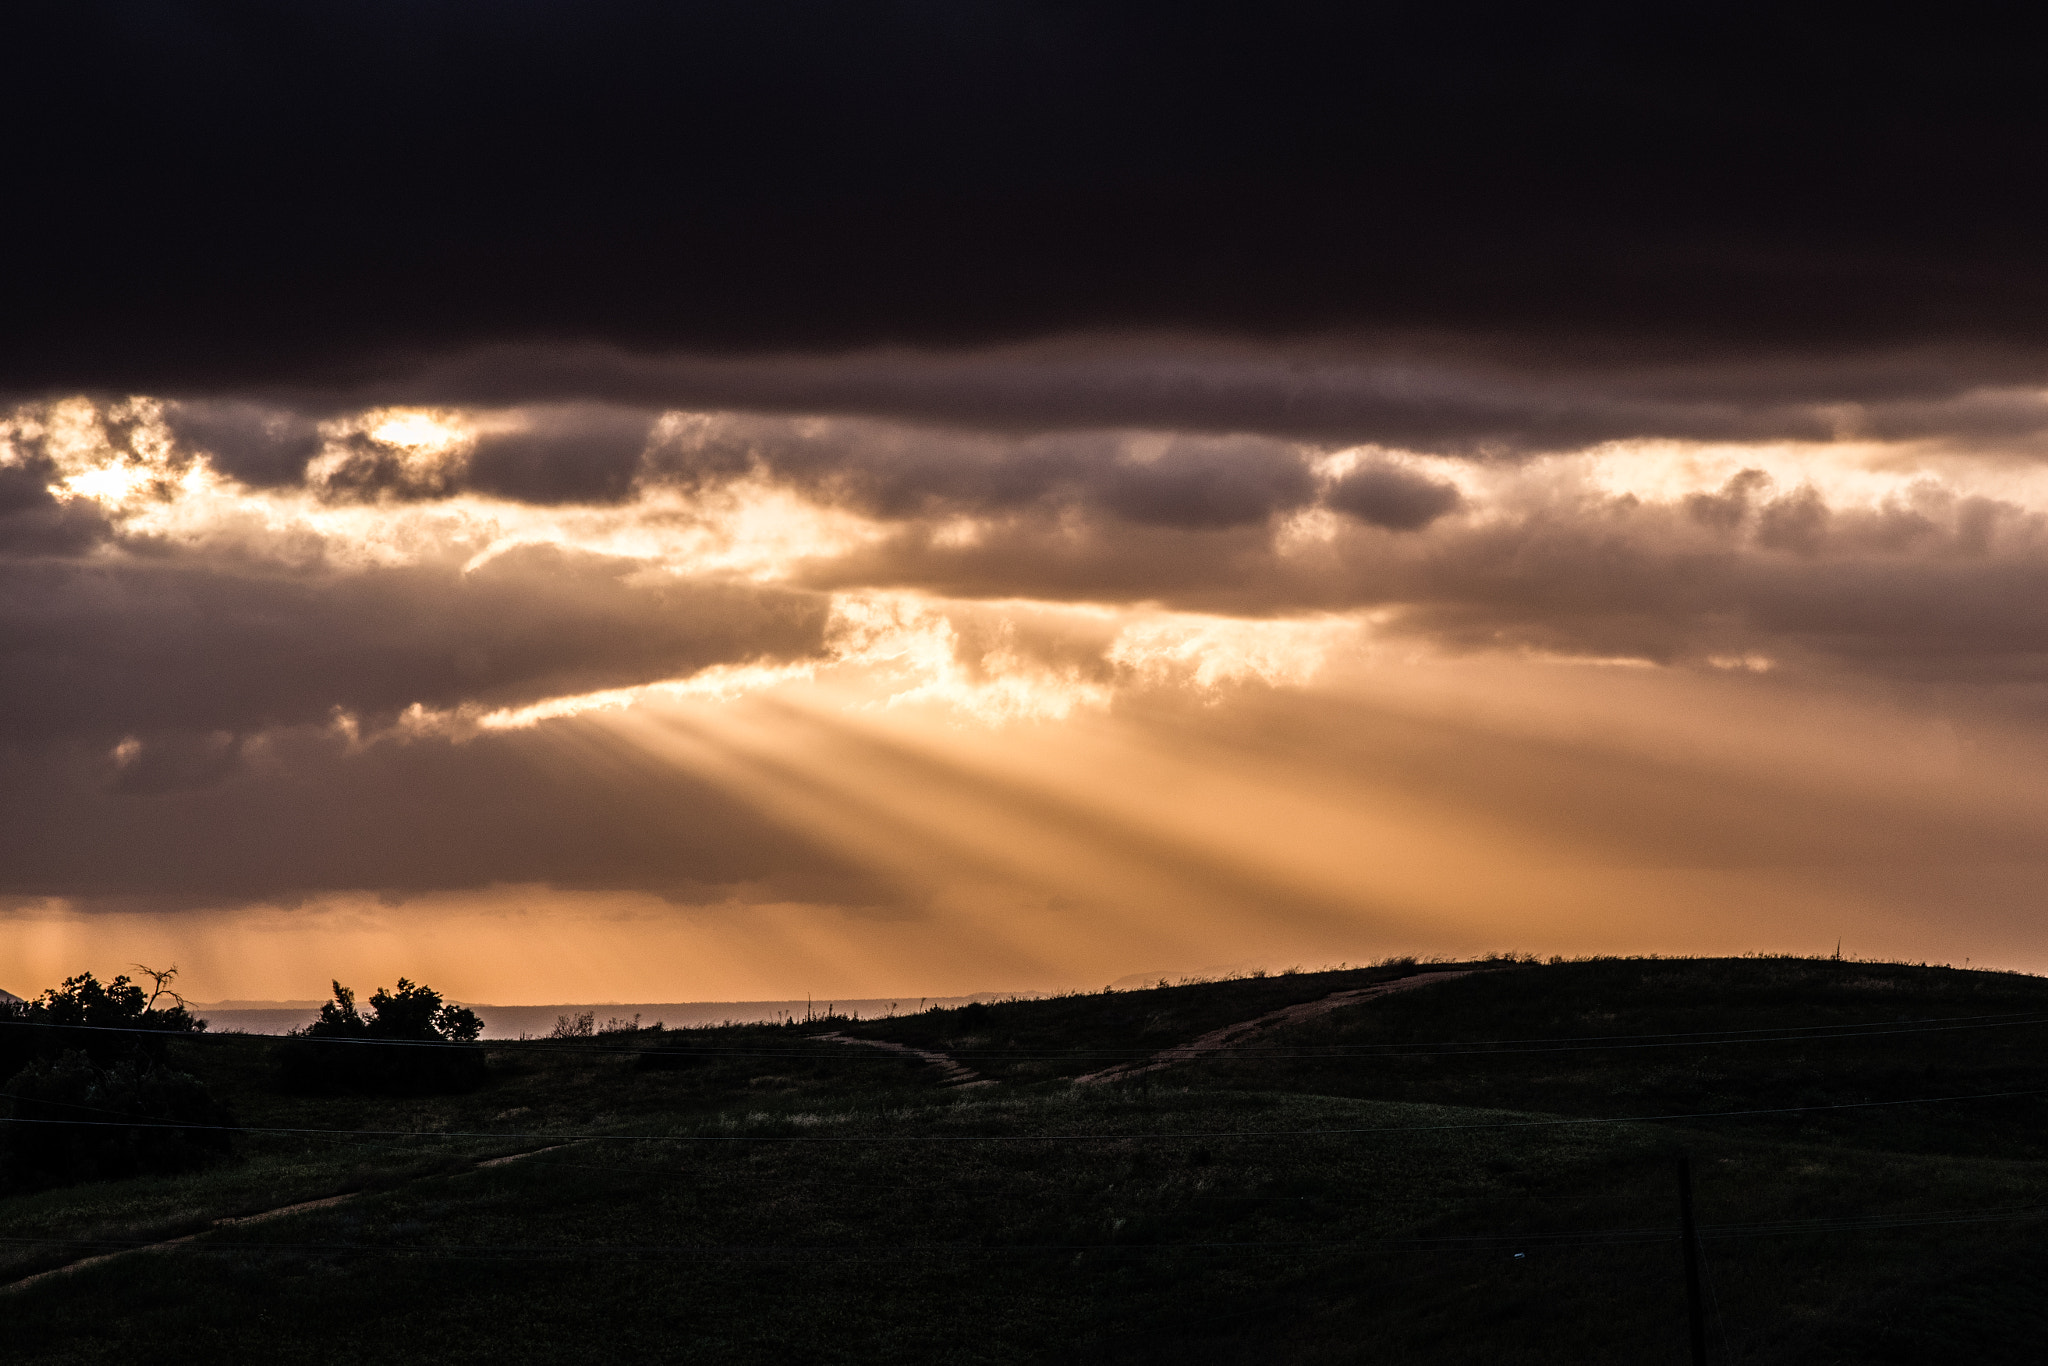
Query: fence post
(1695, 1312)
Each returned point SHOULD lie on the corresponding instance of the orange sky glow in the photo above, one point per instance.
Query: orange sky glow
(1089, 768)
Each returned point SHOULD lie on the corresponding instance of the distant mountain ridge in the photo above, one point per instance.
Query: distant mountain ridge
(510, 1022)
(254, 1005)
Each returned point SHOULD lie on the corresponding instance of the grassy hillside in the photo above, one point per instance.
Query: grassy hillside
(1481, 1169)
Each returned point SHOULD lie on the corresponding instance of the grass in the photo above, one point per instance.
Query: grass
(1353, 1188)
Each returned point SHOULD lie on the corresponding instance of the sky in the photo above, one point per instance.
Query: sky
(621, 501)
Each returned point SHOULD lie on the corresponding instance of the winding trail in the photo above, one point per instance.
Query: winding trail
(1244, 1031)
(262, 1216)
(952, 1071)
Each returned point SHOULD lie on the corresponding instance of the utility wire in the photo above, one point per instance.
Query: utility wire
(1553, 1122)
(1433, 1048)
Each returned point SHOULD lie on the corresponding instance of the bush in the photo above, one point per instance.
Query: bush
(46, 1150)
(107, 1023)
(410, 1044)
(574, 1027)
(94, 1054)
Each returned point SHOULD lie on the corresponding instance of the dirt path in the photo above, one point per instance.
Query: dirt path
(1244, 1031)
(241, 1220)
(952, 1072)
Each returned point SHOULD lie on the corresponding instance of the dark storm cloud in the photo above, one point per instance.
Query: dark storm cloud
(177, 648)
(1389, 496)
(595, 454)
(1209, 487)
(175, 762)
(33, 523)
(212, 197)
(1947, 592)
(263, 444)
(1935, 587)
(583, 454)
(302, 813)
(894, 471)
(1448, 395)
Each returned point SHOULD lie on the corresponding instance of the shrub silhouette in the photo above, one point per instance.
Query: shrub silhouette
(410, 1043)
(93, 1053)
(45, 1149)
(574, 1026)
(107, 1022)
(412, 1012)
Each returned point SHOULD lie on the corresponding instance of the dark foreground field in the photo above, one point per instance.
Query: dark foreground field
(1480, 1169)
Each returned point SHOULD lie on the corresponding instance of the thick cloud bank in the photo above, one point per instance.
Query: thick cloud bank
(219, 196)
(588, 407)
(206, 569)
(258, 655)
(1302, 463)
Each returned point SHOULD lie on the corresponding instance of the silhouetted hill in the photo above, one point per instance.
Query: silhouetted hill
(1449, 1162)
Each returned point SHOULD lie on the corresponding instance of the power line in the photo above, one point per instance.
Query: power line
(1552, 1122)
(1433, 1048)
